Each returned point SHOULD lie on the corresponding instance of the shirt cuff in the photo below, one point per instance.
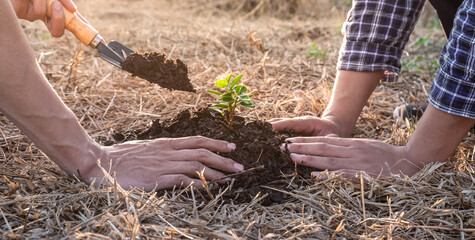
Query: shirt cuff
(370, 57)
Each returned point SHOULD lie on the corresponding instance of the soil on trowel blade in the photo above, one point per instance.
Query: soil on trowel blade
(257, 145)
(156, 68)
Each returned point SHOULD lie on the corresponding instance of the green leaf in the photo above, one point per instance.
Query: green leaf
(235, 81)
(228, 89)
(215, 92)
(248, 104)
(228, 78)
(227, 98)
(218, 110)
(221, 105)
(244, 97)
(240, 89)
(221, 83)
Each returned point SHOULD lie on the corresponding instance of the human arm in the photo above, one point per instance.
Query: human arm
(375, 35)
(443, 125)
(33, 10)
(28, 100)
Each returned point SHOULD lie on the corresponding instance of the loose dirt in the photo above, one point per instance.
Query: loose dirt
(157, 68)
(257, 147)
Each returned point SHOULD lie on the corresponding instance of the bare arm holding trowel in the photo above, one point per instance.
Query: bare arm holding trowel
(28, 100)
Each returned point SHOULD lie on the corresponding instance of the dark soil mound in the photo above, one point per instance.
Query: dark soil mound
(257, 145)
(156, 68)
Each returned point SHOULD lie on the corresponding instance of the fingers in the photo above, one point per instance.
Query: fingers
(299, 125)
(39, 10)
(209, 159)
(196, 142)
(21, 8)
(194, 169)
(56, 23)
(330, 163)
(343, 142)
(200, 149)
(318, 149)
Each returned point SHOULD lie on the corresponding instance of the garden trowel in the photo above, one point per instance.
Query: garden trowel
(114, 52)
(153, 67)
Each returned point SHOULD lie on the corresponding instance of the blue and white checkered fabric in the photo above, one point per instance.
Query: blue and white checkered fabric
(376, 33)
(453, 90)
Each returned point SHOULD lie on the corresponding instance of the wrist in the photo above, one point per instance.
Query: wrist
(342, 129)
(86, 166)
(78, 159)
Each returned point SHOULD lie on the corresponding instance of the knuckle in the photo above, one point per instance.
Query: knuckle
(200, 140)
(180, 179)
(202, 153)
(294, 147)
(322, 148)
(197, 166)
(167, 142)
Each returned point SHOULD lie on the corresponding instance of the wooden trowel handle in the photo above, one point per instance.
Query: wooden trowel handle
(82, 30)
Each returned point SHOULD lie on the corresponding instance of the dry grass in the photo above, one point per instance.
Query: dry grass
(40, 201)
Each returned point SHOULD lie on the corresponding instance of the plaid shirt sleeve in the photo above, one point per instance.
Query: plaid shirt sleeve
(453, 90)
(375, 34)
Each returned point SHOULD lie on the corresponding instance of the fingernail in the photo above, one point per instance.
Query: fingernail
(228, 179)
(57, 5)
(282, 147)
(231, 146)
(238, 167)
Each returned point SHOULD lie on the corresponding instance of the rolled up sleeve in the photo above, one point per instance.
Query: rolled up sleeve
(375, 34)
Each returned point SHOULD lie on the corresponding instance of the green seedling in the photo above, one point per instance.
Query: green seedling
(234, 95)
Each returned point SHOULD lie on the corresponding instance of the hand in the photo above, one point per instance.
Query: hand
(163, 163)
(350, 156)
(33, 10)
(308, 126)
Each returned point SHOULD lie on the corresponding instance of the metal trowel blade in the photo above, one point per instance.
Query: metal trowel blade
(114, 53)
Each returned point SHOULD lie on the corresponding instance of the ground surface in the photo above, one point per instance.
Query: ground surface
(257, 149)
(288, 61)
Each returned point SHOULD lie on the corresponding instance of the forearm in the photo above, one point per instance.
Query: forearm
(351, 91)
(436, 136)
(28, 100)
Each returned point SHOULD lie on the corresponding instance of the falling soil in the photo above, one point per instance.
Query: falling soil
(257, 147)
(156, 68)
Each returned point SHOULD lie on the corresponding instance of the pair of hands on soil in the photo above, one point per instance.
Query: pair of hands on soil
(324, 149)
(33, 10)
